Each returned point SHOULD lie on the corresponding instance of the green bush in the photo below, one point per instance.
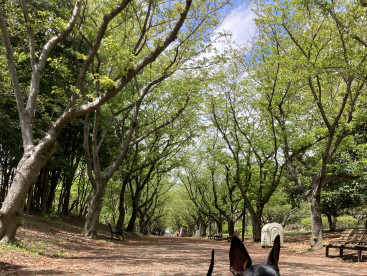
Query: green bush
(307, 223)
(346, 222)
(249, 229)
(225, 227)
(53, 217)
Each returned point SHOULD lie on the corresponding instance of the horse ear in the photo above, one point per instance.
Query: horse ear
(273, 257)
(239, 258)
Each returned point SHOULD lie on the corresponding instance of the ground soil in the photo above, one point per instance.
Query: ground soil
(58, 248)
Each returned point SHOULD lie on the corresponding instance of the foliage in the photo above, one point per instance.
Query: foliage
(306, 223)
(281, 210)
(53, 217)
(340, 197)
(312, 93)
(271, 123)
(345, 222)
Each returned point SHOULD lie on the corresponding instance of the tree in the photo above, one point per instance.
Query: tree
(314, 94)
(282, 210)
(343, 195)
(251, 147)
(100, 179)
(10, 140)
(154, 100)
(211, 189)
(150, 209)
(37, 153)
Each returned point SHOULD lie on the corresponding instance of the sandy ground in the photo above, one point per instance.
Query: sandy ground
(60, 249)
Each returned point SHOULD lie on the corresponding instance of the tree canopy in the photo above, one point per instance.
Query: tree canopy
(125, 112)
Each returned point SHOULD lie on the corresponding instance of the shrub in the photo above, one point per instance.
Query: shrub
(346, 222)
(249, 229)
(53, 217)
(307, 223)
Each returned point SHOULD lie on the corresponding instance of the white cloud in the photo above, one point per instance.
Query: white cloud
(240, 22)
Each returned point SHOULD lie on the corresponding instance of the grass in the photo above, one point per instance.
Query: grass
(53, 248)
(296, 232)
(53, 217)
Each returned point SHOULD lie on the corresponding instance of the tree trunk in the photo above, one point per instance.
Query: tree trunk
(144, 225)
(141, 226)
(203, 227)
(6, 176)
(316, 222)
(66, 197)
(94, 210)
(26, 174)
(256, 226)
(332, 222)
(134, 214)
(243, 223)
(45, 190)
(230, 227)
(29, 200)
(220, 226)
(38, 190)
(210, 231)
(121, 219)
(53, 184)
(69, 182)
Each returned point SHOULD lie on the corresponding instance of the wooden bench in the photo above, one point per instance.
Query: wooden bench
(340, 242)
(353, 239)
(358, 242)
(216, 237)
(113, 231)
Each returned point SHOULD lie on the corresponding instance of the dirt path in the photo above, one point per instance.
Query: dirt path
(55, 249)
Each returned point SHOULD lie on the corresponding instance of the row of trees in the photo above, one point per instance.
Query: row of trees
(105, 61)
(146, 128)
(290, 108)
(313, 85)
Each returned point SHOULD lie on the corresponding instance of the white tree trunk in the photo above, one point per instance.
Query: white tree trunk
(316, 222)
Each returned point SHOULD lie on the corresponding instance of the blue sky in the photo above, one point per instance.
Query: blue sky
(239, 21)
